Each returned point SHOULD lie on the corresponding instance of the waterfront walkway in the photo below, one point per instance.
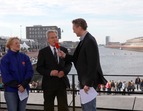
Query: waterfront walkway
(104, 101)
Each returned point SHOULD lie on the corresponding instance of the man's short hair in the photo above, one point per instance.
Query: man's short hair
(80, 22)
(51, 31)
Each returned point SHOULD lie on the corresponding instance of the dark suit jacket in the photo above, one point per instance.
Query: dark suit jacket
(46, 63)
(87, 62)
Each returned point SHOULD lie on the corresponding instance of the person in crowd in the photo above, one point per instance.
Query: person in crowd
(113, 86)
(137, 82)
(102, 87)
(108, 87)
(129, 87)
(16, 72)
(116, 83)
(124, 86)
(86, 61)
(119, 86)
(98, 89)
(54, 70)
(133, 86)
(141, 85)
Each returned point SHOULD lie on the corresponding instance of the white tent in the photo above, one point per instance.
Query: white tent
(21, 45)
(24, 46)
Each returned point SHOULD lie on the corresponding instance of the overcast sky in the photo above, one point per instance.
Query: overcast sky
(119, 19)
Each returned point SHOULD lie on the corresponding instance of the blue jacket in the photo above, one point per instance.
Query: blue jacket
(16, 68)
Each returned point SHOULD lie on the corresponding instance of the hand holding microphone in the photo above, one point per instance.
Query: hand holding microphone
(60, 53)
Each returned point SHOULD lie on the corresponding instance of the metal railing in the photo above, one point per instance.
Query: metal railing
(73, 90)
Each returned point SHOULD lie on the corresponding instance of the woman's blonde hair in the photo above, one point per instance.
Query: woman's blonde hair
(10, 41)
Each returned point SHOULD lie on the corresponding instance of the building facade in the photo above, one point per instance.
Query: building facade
(135, 44)
(38, 34)
(107, 39)
(2, 44)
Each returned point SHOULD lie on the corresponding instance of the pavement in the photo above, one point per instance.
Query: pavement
(123, 102)
(32, 54)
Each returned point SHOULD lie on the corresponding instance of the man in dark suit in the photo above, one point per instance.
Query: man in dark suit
(86, 61)
(54, 71)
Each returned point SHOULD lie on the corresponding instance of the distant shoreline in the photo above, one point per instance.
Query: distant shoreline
(137, 49)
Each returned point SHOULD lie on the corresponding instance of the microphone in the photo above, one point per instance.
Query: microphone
(57, 45)
(58, 48)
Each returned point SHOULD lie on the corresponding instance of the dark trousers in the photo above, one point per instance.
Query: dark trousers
(49, 97)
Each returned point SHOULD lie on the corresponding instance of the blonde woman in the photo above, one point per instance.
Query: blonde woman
(16, 72)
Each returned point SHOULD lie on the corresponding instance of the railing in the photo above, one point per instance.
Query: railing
(72, 103)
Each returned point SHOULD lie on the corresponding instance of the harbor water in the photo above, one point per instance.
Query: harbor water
(119, 62)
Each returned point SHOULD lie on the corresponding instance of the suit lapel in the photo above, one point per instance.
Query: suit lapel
(76, 53)
(78, 49)
(50, 51)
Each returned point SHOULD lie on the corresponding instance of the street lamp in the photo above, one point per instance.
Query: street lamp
(30, 42)
(20, 31)
(37, 45)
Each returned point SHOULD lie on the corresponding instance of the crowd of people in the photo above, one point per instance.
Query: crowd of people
(124, 86)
